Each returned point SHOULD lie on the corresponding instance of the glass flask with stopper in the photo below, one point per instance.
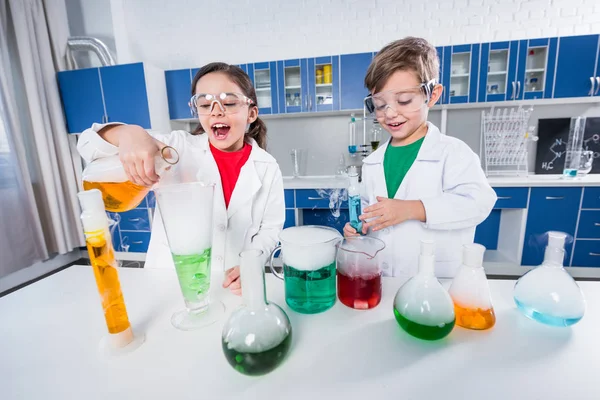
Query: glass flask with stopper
(118, 192)
(423, 308)
(548, 294)
(186, 211)
(257, 336)
(470, 291)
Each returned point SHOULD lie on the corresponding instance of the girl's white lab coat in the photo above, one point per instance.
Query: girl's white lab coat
(447, 177)
(256, 211)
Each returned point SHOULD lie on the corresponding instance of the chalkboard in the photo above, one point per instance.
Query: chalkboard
(553, 135)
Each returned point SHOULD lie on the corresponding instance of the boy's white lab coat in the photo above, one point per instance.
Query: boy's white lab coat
(256, 211)
(447, 177)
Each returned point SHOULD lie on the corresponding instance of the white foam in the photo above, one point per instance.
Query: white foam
(309, 248)
(186, 210)
(425, 301)
(255, 331)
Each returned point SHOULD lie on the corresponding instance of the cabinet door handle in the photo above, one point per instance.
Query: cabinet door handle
(591, 93)
(137, 242)
(133, 219)
(504, 198)
(597, 224)
(317, 198)
(310, 103)
(597, 85)
(306, 102)
(595, 254)
(518, 88)
(512, 97)
(555, 198)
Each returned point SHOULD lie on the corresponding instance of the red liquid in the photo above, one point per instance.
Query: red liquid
(361, 292)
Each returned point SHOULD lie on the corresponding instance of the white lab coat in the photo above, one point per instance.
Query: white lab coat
(256, 211)
(447, 177)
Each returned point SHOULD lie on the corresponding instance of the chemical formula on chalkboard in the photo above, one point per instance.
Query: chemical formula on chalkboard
(553, 134)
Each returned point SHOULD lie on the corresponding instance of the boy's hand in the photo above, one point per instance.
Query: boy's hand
(349, 231)
(233, 281)
(389, 212)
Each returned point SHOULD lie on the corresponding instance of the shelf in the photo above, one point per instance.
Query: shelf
(324, 84)
(497, 73)
(262, 89)
(532, 70)
(293, 87)
(459, 76)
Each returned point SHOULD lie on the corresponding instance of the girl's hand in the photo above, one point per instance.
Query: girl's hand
(233, 281)
(389, 212)
(137, 150)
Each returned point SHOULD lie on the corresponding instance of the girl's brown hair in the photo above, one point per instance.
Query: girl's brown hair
(258, 129)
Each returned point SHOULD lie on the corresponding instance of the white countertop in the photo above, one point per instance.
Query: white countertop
(50, 332)
(333, 182)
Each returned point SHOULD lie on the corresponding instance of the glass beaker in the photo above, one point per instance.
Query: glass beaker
(359, 272)
(375, 135)
(299, 161)
(308, 254)
(574, 147)
(119, 193)
(257, 336)
(187, 210)
(586, 160)
(548, 294)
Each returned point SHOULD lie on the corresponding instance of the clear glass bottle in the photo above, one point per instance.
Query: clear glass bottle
(470, 291)
(422, 306)
(288, 99)
(257, 336)
(354, 201)
(297, 99)
(548, 294)
(375, 135)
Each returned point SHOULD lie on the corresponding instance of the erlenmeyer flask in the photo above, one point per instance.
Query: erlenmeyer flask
(186, 210)
(470, 291)
(422, 306)
(548, 294)
(257, 336)
(118, 193)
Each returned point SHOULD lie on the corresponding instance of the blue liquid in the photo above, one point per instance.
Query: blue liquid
(570, 173)
(352, 149)
(547, 319)
(355, 210)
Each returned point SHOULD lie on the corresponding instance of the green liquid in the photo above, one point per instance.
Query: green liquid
(193, 272)
(310, 292)
(426, 332)
(258, 363)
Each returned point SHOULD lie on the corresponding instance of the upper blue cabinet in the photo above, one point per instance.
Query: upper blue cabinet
(324, 83)
(292, 85)
(105, 94)
(353, 69)
(460, 72)
(578, 67)
(179, 84)
(264, 78)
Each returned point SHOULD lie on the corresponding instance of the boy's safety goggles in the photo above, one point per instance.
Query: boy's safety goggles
(400, 101)
(229, 103)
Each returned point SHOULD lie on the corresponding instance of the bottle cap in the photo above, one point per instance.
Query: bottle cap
(473, 255)
(91, 201)
(556, 239)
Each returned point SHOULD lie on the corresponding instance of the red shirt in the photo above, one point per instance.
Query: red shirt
(229, 165)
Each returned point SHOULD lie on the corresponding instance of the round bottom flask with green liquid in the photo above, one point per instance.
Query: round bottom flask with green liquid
(422, 307)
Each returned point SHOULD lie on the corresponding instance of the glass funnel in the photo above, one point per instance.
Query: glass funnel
(257, 336)
(359, 272)
(186, 210)
(548, 294)
(422, 306)
(470, 291)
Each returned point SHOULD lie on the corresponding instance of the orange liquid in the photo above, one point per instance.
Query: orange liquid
(103, 261)
(119, 196)
(474, 318)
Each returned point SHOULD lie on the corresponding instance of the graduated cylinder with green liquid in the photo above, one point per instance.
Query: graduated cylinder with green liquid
(422, 306)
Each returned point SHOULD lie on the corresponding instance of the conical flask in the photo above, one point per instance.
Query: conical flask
(422, 306)
(257, 336)
(187, 210)
(118, 193)
(470, 291)
(548, 294)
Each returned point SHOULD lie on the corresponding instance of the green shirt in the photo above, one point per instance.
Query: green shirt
(396, 163)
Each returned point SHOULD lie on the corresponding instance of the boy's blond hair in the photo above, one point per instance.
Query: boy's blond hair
(408, 54)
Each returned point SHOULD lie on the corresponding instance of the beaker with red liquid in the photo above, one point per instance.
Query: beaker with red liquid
(359, 272)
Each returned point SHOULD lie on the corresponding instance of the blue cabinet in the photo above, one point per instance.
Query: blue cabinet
(324, 84)
(353, 69)
(460, 73)
(586, 253)
(440, 53)
(325, 217)
(105, 94)
(576, 66)
(292, 86)
(536, 66)
(179, 85)
(486, 233)
(290, 218)
(550, 209)
(511, 197)
(264, 79)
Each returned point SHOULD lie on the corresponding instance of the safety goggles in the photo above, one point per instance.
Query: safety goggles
(399, 101)
(229, 103)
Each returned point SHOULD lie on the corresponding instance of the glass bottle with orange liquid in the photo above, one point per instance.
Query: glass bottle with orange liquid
(102, 257)
(118, 193)
(470, 291)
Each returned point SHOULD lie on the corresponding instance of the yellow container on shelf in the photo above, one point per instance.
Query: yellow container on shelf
(319, 76)
(327, 73)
